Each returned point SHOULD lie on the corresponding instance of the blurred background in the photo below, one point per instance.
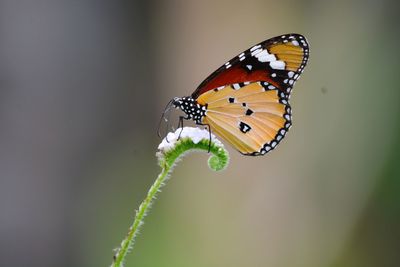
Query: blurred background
(82, 86)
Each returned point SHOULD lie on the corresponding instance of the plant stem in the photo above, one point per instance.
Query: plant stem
(218, 161)
(140, 214)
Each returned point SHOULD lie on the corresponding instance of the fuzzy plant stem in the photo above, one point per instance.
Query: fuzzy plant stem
(167, 159)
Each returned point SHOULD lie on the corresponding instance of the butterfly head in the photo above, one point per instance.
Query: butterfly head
(177, 102)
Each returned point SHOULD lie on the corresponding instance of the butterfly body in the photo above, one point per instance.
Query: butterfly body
(191, 108)
(246, 101)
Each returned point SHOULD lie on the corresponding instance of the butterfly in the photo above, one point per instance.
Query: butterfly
(246, 101)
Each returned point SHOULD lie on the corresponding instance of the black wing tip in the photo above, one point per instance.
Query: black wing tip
(297, 36)
(292, 34)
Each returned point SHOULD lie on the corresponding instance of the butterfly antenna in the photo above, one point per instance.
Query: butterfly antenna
(163, 117)
(167, 119)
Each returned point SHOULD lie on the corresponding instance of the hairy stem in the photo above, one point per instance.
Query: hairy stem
(217, 161)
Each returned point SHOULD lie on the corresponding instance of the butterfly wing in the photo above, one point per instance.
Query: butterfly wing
(253, 118)
(247, 98)
(278, 61)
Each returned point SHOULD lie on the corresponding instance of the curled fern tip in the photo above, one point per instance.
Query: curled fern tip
(185, 139)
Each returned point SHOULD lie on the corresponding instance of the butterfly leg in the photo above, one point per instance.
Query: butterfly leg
(180, 124)
(209, 132)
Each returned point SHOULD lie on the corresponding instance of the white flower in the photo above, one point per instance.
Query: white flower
(195, 134)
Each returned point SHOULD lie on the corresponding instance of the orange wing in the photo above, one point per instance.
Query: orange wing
(253, 117)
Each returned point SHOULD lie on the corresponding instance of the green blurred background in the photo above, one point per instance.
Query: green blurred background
(82, 85)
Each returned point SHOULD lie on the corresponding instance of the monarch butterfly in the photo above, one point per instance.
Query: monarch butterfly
(246, 101)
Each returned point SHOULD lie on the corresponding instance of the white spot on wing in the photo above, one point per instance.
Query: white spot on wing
(242, 57)
(255, 52)
(254, 48)
(264, 56)
(277, 65)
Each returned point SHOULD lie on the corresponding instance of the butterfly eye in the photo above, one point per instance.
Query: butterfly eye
(176, 102)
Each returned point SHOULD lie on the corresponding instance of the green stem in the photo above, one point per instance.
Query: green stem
(218, 161)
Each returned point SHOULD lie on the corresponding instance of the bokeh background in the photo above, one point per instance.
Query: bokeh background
(82, 85)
